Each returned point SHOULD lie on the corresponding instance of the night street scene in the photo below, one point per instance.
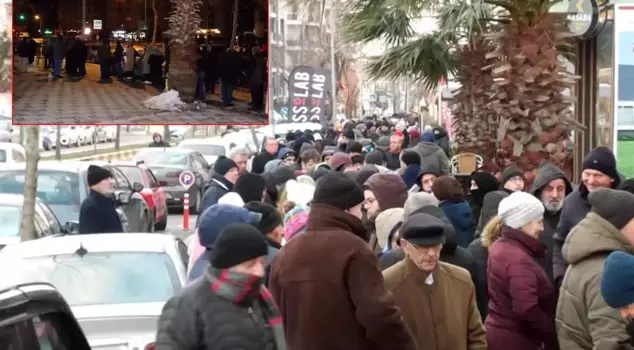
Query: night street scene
(140, 62)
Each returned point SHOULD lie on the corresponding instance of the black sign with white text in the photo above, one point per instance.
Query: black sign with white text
(308, 88)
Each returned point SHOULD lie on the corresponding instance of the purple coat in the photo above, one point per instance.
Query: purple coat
(522, 300)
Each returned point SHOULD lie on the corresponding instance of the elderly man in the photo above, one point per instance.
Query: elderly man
(241, 157)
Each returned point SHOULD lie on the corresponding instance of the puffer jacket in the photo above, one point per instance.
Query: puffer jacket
(584, 320)
(198, 318)
(431, 154)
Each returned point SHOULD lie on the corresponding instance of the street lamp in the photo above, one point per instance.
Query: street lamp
(39, 19)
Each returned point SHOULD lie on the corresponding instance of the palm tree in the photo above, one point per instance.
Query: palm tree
(184, 22)
(505, 53)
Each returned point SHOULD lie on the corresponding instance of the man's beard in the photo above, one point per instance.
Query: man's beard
(553, 207)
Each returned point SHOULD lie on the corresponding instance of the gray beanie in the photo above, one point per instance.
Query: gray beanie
(416, 201)
(519, 209)
(615, 206)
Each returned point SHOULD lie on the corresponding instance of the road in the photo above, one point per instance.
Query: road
(40, 100)
(126, 139)
(175, 224)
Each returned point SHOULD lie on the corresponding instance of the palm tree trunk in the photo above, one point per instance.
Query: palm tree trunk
(155, 24)
(27, 227)
(234, 31)
(184, 21)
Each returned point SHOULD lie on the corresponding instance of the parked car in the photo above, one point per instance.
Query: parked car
(167, 164)
(69, 136)
(12, 153)
(8, 133)
(45, 222)
(115, 284)
(210, 148)
(110, 132)
(36, 313)
(63, 186)
(153, 190)
(91, 134)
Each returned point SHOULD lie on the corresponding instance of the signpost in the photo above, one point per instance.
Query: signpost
(96, 24)
(187, 179)
(583, 17)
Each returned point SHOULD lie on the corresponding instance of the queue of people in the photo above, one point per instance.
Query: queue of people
(327, 243)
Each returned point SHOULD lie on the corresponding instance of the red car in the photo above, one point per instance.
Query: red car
(153, 191)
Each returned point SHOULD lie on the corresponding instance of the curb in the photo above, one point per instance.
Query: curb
(122, 155)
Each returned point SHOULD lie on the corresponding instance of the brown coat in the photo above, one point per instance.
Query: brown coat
(440, 316)
(330, 291)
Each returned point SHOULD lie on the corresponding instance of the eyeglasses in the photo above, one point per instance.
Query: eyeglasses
(369, 201)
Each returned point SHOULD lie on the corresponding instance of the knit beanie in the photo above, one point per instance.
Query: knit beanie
(617, 282)
(338, 190)
(96, 174)
(365, 172)
(270, 216)
(250, 187)
(354, 147)
(295, 221)
(418, 200)
(602, 159)
(384, 141)
(389, 189)
(447, 188)
(410, 157)
(428, 136)
(223, 165)
(338, 160)
(508, 174)
(282, 174)
(616, 207)
(520, 208)
(236, 244)
(349, 134)
(374, 157)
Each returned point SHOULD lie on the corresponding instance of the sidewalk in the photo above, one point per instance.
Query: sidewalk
(40, 100)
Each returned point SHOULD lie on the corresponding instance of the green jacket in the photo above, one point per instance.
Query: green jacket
(584, 320)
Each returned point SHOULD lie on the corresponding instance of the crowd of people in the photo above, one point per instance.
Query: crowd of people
(363, 239)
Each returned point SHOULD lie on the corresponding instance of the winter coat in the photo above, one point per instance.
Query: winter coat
(273, 250)
(480, 256)
(98, 214)
(23, 49)
(440, 315)
(130, 56)
(198, 318)
(431, 154)
(489, 209)
(584, 320)
(522, 299)
(392, 161)
(229, 67)
(257, 74)
(459, 213)
(219, 187)
(103, 51)
(442, 139)
(259, 161)
(545, 175)
(575, 208)
(330, 291)
(410, 175)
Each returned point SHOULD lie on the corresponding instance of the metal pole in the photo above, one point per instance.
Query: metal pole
(145, 23)
(406, 95)
(83, 15)
(333, 86)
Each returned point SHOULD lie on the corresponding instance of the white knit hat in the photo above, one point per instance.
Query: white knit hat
(519, 209)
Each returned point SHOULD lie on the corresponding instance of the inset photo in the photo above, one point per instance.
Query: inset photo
(139, 61)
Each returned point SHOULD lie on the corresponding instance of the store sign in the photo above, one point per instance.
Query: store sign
(308, 88)
(583, 17)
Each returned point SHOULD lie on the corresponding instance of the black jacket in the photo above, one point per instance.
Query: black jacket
(219, 187)
(489, 209)
(198, 318)
(98, 214)
(480, 256)
(259, 161)
(230, 67)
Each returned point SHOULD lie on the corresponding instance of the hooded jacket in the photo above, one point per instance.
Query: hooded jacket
(486, 183)
(584, 320)
(385, 222)
(217, 189)
(330, 291)
(390, 191)
(459, 213)
(489, 209)
(161, 143)
(410, 175)
(547, 173)
(431, 154)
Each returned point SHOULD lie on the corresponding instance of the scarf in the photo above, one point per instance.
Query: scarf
(236, 287)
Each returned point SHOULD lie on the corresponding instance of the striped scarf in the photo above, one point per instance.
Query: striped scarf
(236, 287)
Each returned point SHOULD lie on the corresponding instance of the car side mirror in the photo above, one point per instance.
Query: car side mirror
(123, 198)
(137, 187)
(163, 183)
(71, 227)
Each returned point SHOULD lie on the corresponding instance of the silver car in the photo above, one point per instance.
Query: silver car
(115, 284)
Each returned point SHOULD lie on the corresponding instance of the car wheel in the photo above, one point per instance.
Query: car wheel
(161, 225)
(47, 148)
(197, 205)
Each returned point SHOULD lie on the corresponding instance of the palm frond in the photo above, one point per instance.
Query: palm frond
(375, 21)
(427, 59)
(464, 20)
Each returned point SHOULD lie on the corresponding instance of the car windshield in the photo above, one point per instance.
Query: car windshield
(108, 278)
(133, 174)
(206, 150)
(162, 157)
(53, 187)
(10, 219)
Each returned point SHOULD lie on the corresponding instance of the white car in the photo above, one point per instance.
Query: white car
(69, 136)
(11, 153)
(115, 284)
(110, 132)
(210, 148)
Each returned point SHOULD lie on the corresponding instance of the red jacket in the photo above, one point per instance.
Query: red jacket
(522, 300)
